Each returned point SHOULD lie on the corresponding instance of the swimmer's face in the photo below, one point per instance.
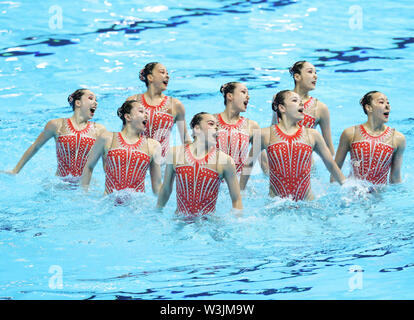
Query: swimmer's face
(307, 77)
(87, 104)
(292, 106)
(159, 77)
(379, 108)
(240, 97)
(138, 117)
(207, 129)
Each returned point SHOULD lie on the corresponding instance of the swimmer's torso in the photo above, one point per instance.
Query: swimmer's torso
(197, 184)
(290, 160)
(234, 139)
(371, 156)
(126, 164)
(160, 121)
(73, 147)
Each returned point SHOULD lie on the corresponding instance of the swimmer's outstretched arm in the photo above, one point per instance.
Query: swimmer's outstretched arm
(400, 143)
(343, 147)
(97, 152)
(169, 176)
(325, 124)
(166, 188)
(155, 165)
(323, 151)
(48, 132)
(230, 176)
(180, 121)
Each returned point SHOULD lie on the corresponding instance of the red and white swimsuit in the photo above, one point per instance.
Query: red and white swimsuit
(371, 156)
(72, 149)
(234, 139)
(290, 161)
(197, 185)
(160, 122)
(126, 165)
(309, 120)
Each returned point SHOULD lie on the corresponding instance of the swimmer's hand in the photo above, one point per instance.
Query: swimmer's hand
(10, 172)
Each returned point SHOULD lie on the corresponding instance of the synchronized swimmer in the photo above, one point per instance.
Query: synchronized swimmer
(74, 137)
(223, 148)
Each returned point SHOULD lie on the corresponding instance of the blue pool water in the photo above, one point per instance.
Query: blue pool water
(58, 243)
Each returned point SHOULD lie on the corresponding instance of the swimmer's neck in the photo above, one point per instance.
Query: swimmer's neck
(302, 92)
(153, 94)
(288, 126)
(130, 134)
(78, 119)
(229, 115)
(374, 125)
(200, 148)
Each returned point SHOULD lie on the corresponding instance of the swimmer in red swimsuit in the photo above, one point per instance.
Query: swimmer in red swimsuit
(235, 132)
(198, 169)
(126, 155)
(375, 148)
(74, 137)
(315, 111)
(163, 111)
(289, 147)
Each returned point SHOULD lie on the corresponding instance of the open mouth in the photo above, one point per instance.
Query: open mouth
(246, 103)
(387, 114)
(144, 122)
(301, 110)
(92, 110)
(165, 82)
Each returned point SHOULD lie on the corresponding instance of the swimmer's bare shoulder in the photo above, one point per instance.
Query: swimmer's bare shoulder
(399, 140)
(154, 148)
(225, 162)
(133, 97)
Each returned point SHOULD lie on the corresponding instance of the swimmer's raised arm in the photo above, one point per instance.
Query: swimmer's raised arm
(169, 176)
(98, 150)
(48, 132)
(400, 143)
(155, 165)
(323, 151)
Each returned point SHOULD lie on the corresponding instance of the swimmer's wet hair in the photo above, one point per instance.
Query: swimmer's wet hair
(125, 109)
(367, 99)
(143, 74)
(228, 88)
(279, 98)
(75, 96)
(197, 119)
(296, 68)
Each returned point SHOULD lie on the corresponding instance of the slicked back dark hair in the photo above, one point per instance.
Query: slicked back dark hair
(143, 74)
(125, 109)
(367, 99)
(77, 95)
(228, 88)
(279, 98)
